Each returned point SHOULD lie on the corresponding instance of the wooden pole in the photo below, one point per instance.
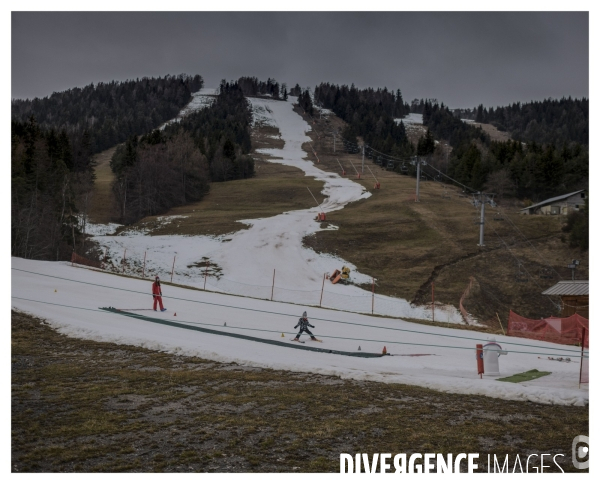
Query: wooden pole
(72, 257)
(205, 274)
(173, 267)
(144, 268)
(273, 285)
(124, 253)
(582, 348)
(502, 327)
(373, 296)
(322, 287)
(433, 301)
(104, 255)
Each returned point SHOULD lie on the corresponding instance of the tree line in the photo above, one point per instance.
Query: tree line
(551, 121)
(370, 114)
(251, 86)
(532, 171)
(175, 166)
(509, 168)
(109, 113)
(51, 183)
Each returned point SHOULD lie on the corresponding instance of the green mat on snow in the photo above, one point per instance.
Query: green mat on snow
(528, 375)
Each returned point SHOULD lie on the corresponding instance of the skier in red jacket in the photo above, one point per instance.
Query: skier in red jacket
(157, 294)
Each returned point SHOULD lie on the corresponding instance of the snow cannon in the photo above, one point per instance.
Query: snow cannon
(343, 275)
(321, 217)
(377, 186)
(491, 353)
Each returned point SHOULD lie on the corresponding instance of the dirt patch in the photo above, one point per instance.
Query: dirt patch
(494, 133)
(102, 209)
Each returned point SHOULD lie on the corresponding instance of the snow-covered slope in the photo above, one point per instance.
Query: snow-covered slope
(200, 100)
(432, 357)
(248, 258)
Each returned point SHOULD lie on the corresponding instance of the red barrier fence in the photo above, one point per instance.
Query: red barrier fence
(77, 259)
(555, 330)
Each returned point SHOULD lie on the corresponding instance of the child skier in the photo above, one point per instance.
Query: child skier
(157, 294)
(304, 324)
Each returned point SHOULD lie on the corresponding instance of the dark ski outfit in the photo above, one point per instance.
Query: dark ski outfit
(157, 294)
(304, 324)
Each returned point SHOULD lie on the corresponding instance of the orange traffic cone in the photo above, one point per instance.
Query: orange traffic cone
(384, 352)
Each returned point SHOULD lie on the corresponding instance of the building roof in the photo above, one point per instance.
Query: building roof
(569, 288)
(550, 200)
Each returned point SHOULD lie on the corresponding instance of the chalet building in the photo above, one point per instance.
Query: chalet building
(561, 205)
(574, 296)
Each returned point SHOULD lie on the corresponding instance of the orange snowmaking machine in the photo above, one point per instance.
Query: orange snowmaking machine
(342, 276)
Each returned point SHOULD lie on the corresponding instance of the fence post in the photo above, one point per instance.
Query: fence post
(144, 268)
(273, 285)
(433, 301)
(72, 257)
(173, 268)
(205, 273)
(373, 296)
(582, 348)
(322, 287)
(123, 263)
(104, 255)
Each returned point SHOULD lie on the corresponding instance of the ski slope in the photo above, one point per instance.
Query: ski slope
(248, 257)
(437, 358)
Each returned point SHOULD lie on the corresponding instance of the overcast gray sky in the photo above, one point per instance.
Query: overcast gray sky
(462, 59)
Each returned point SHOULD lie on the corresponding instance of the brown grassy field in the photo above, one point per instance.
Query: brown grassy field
(495, 134)
(102, 208)
(275, 189)
(408, 245)
(86, 406)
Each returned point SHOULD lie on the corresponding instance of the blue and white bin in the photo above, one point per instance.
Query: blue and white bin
(491, 353)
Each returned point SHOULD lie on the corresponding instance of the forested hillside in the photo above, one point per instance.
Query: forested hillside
(370, 114)
(109, 113)
(551, 121)
(51, 180)
(251, 86)
(53, 140)
(173, 167)
(531, 170)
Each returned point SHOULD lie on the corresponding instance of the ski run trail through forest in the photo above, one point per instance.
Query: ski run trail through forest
(242, 263)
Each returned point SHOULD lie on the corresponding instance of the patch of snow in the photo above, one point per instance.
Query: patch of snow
(430, 357)
(207, 91)
(200, 100)
(411, 118)
(100, 229)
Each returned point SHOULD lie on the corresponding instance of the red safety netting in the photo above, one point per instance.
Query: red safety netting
(77, 259)
(556, 330)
